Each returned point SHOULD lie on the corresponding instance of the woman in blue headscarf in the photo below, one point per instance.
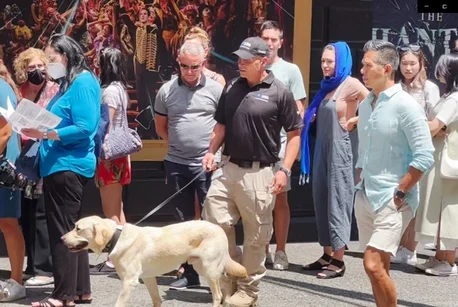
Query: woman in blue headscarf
(332, 180)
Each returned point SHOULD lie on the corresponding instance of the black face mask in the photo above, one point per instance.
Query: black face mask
(36, 77)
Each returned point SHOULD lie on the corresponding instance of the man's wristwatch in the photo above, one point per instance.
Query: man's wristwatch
(400, 195)
(45, 135)
(286, 171)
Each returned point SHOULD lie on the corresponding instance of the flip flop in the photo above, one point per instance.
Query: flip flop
(47, 303)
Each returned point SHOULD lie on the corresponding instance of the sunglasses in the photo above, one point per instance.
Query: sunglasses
(414, 48)
(192, 67)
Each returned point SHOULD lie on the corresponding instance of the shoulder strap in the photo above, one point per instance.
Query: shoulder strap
(37, 97)
(123, 96)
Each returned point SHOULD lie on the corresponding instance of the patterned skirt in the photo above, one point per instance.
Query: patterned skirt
(113, 171)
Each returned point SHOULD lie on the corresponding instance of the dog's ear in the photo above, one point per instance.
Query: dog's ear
(99, 233)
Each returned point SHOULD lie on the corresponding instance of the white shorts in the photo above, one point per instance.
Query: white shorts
(383, 229)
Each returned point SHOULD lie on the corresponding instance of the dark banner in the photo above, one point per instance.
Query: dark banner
(149, 33)
(400, 23)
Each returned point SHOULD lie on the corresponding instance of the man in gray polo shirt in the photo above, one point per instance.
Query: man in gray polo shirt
(185, 108)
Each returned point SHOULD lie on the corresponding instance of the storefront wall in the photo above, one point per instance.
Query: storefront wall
(315, 24)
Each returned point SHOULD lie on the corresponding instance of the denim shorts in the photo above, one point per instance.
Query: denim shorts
(10, 203)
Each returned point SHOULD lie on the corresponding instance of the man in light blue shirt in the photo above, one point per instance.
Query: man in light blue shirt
(395, 149)
(290, 75)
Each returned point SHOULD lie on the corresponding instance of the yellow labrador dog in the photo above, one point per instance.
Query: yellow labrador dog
(147, 252)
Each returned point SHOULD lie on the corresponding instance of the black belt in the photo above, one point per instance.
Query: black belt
(249, 164)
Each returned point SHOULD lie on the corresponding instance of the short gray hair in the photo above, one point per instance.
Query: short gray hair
(386, 53)
(192, 48)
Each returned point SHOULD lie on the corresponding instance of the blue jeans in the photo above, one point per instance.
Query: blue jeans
(179, 175)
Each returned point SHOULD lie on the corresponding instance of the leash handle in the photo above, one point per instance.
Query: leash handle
(165, 202)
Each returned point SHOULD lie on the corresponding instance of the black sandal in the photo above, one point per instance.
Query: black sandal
(80, 300)
(47, 303)
(317, 265)
(328, 274)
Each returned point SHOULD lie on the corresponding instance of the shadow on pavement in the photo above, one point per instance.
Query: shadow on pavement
(196, 295)
(333, 293)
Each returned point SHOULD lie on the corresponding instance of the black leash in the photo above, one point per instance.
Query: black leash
(165, 202)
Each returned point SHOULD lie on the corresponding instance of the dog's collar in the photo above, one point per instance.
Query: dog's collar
(114, 239)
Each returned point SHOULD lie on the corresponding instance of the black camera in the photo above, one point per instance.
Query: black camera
(10, 179)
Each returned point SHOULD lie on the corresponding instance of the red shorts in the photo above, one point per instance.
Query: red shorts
(113, 171)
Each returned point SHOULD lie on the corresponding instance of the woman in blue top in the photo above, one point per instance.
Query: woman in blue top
(67, 162)
(10, 203)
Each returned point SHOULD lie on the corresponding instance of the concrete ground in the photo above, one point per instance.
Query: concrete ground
(286, 289)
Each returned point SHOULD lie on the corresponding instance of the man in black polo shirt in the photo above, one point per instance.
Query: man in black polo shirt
(250, 114)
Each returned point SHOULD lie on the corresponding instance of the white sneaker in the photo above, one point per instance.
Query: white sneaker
(39, 281)
(12, 291)
(405, 256)
(443, 268)
(431, 262)
(398, 258)
(281, 261)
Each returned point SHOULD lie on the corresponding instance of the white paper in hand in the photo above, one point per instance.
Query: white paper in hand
(29, 115)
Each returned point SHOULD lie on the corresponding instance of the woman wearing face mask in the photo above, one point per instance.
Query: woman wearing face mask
(412, 76)
(30, 71)
(67, 162)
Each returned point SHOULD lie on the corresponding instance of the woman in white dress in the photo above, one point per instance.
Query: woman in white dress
(413, 79)
(437, 217)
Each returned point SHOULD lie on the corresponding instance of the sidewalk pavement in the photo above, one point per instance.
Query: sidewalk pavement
(292, 288)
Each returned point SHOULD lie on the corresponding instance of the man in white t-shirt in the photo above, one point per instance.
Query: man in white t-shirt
(291, 76)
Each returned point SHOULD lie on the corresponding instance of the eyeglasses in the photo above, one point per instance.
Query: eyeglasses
(414, 48)
(192, 67)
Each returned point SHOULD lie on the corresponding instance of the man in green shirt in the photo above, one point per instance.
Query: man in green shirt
(290, 75)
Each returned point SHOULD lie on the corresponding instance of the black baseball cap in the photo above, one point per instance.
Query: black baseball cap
(252, 47)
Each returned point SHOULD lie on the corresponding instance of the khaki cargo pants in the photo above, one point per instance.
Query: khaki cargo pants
(244, 193)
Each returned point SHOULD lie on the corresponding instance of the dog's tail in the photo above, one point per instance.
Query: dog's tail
(235, 269)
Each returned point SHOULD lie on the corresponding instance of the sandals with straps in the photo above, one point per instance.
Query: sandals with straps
(328, 274)
(317, 265)
(82, 301)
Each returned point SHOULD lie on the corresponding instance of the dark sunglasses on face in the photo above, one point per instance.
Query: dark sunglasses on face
(414, 48)
(192, 67)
